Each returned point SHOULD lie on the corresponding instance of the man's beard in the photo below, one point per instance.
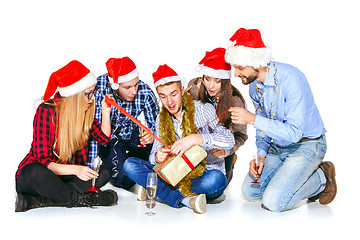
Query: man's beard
(251, 78)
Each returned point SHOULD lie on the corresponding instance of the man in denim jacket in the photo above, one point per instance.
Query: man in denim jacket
(290, 134)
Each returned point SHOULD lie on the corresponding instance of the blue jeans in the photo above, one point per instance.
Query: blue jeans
(290, 174)
(212, 183)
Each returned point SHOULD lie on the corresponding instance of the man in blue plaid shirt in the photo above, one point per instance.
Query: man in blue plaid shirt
(136, 97)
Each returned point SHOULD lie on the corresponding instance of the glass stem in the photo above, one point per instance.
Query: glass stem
(93, 182)
(150, 205)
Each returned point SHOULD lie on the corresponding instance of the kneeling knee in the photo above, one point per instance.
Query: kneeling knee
(251, 192)
(273, 203)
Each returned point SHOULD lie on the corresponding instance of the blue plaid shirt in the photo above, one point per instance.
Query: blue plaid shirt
(122, 127)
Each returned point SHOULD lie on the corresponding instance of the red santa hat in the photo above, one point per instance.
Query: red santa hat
(247, 49)
(164, 74)
(121, 70)
(214, 65)
(71, 79)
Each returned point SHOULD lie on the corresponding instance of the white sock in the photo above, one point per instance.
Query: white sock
(186, 202)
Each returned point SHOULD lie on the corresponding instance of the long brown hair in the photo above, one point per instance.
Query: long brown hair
(73, 125)
(226, 92)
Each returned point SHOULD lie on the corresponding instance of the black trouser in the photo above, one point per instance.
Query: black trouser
(36, 179)
(115, 154)
(229, 167)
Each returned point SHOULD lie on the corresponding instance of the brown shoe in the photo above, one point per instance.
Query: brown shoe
(235, 158)
(329, 193)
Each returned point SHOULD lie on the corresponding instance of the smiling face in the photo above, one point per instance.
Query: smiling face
(171, 96)
(212, 85)
(247, 74)
(128, 90)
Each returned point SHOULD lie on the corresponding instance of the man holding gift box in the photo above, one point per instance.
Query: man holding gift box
(177, 125)
(290, 133)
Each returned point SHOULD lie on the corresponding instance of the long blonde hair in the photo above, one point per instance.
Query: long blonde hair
(74, 124)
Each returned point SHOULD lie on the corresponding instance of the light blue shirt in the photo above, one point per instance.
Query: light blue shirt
(285, 108)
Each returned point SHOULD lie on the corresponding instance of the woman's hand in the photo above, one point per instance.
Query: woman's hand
(161, 155)
(82, 172)
(85, 173)
(219, 153)
(105, 116)
(106, 108)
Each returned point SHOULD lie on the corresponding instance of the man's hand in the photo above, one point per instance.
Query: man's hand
(240, 115)
(181, 145)
(256, 167)
(160, 156)
(146, 138)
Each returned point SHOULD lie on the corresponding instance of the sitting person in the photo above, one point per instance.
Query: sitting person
(290, 133)
(177, 125)
(214, 87)
(136, 97)
(54, 172)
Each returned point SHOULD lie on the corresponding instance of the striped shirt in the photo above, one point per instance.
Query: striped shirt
(122, 127)
(214, 136)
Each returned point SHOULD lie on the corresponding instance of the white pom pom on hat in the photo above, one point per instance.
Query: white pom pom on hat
(71, 79)
(247, 49)
(115, 86)
(120, 70)
(37, 103)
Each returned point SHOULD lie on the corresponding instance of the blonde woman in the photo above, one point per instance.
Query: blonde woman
(54, 172)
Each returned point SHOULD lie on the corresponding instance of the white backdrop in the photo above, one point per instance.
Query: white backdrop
(321, 38)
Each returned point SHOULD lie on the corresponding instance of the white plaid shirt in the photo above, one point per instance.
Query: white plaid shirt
(214, 136)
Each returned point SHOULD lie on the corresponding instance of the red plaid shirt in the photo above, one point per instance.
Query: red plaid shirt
(42, 147)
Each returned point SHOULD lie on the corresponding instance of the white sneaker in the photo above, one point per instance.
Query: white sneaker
(141, 194)
(198, 204)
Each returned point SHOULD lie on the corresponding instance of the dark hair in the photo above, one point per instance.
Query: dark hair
(226, 92)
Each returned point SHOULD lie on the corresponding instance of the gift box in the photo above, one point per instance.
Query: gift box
(175, 168)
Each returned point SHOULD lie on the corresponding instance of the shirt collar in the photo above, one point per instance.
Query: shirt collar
(269, 78)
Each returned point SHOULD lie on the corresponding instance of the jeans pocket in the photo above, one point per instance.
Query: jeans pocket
(321, 148)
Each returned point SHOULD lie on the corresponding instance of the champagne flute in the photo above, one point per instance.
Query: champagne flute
(141, 131)
(151, 186)
(256, 168)
(95, 165)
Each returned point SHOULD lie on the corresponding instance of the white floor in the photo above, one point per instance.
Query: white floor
(232, 217)
(318, 37)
